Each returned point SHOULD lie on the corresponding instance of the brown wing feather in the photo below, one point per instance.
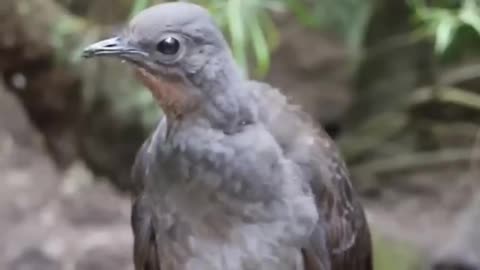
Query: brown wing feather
(144, 247)
(348, 236)
(341, 239)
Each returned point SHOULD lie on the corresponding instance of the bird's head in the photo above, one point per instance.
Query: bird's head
(178, 50)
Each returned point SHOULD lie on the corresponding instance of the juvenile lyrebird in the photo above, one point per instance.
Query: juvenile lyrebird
(233, 177)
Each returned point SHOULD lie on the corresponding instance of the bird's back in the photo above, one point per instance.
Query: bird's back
(341, 240)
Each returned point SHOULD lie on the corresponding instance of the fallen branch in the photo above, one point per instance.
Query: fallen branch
(416, 161)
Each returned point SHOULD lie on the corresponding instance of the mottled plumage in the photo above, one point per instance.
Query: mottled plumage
(233, 177)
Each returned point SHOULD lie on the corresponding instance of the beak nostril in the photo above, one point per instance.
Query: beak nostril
(110, 45)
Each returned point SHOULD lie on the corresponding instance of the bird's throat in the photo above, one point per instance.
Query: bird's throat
(169, 94)
(220, 107)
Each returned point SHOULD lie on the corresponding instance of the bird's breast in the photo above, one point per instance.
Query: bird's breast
(205, 214)
(200, 229)
(218, 240)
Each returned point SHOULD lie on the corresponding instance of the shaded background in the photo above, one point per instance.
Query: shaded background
(396, 83)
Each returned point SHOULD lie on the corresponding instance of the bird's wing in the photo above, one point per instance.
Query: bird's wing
(342, 228)
(145, 253)
(341, 239)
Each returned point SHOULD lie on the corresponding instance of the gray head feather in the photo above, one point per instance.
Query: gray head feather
(195, 54)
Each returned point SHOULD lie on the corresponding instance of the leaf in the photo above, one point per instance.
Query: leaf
(270, 30)
(302, 12)
(139, 5)
(260, 46)
(445, 33)
(237, 31)
(470, 15)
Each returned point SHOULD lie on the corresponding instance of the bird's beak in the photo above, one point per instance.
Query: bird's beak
(116, 47)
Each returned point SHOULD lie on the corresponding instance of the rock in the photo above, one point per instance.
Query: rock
(101, 258)
(462, 251)
(50, 219)
(34, 259)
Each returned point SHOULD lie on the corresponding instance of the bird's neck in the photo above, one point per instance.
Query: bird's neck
(214, 95)
(169, 93)
(224, 100)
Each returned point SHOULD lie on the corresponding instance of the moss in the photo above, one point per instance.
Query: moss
(394, 255)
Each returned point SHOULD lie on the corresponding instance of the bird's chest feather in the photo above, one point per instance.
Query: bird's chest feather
(213, 238)
(209, 214)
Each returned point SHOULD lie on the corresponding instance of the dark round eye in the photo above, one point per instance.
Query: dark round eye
(168, 46)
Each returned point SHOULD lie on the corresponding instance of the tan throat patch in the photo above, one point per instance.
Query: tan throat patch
(169, 94)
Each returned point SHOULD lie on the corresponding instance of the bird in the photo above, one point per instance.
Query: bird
(234, 176)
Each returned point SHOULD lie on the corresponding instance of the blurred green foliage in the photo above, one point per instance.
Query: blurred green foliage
(253, 34)
(252, 31)
(444, 20)
(394, 255)
(249, 26)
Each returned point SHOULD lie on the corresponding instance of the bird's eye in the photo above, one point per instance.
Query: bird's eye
(168, 46)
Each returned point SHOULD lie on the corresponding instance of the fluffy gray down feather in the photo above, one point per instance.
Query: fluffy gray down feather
(273, 195)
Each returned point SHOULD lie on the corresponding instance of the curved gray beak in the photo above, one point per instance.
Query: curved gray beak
(112, 47)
